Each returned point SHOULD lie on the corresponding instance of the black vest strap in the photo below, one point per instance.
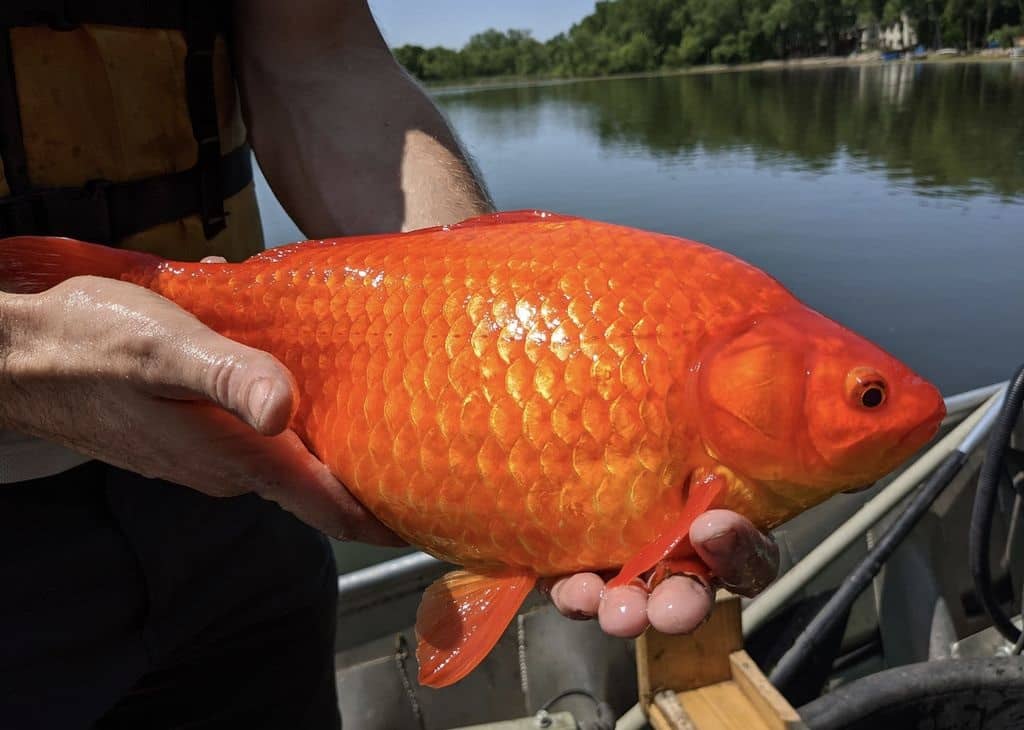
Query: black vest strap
(103, 211)
(106, 212)
(200, 33)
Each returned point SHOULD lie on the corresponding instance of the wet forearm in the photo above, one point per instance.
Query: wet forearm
(13, 323)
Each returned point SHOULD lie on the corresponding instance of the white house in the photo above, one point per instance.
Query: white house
(898, 36)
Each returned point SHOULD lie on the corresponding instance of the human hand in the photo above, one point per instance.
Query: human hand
(740, 557)
(118, 373)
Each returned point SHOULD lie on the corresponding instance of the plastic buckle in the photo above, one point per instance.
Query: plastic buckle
(211, 188)
(97, 210)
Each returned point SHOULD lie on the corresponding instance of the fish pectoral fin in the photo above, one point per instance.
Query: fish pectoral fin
(667, 567)
(705, 489)
(460, 619)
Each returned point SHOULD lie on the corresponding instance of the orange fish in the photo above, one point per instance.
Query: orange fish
(528, 394)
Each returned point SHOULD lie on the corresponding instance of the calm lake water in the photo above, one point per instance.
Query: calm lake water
(890, 198)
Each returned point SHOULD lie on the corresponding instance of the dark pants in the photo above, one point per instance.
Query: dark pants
(132, 603)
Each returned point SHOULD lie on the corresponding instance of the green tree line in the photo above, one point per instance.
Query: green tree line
(919, 126)
(630, 36)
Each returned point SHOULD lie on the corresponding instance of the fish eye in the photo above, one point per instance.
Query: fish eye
(872, 397)
(866, 388)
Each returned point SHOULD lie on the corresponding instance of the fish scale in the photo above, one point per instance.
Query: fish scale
(528, 354)
(527, 394)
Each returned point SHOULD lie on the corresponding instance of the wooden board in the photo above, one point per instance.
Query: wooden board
(735, 704)
(721, 705)
(705, 681)
(687, 662)
(773, 708)
(667, 714)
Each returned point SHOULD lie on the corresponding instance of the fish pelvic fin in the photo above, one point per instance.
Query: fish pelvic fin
(31, 264)
(672, 552)
(460, 619)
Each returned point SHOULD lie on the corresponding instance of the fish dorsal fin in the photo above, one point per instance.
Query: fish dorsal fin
(513, 216)
(460, 619)
(280, 253)
(705, 489)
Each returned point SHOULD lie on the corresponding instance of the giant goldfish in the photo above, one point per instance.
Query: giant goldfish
(528, 394)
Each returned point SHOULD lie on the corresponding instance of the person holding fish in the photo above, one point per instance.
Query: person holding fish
(130, 601)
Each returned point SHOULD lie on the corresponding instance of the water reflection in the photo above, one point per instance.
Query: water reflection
(957, 129)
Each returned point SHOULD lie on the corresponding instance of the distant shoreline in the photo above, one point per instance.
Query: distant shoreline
(798, 63)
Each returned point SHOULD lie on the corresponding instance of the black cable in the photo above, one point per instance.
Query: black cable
(984, 507)
(605, 716)
(570, 693)
(860, 653)
(839, 605)
(966, 693)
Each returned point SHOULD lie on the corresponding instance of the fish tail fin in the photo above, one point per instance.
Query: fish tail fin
(460, 619)
(31, 264)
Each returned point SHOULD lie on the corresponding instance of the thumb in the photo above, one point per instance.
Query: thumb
(249, 383)
(738, 554)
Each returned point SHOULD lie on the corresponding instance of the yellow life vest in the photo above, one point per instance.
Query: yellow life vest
(123, 126)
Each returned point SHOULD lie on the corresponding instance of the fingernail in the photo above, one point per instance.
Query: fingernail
(697, 587)
(259, 394)
(721, 543)
(578, 616)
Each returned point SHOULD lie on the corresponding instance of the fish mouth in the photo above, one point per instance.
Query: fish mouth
(911, 442)
(920, 434)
